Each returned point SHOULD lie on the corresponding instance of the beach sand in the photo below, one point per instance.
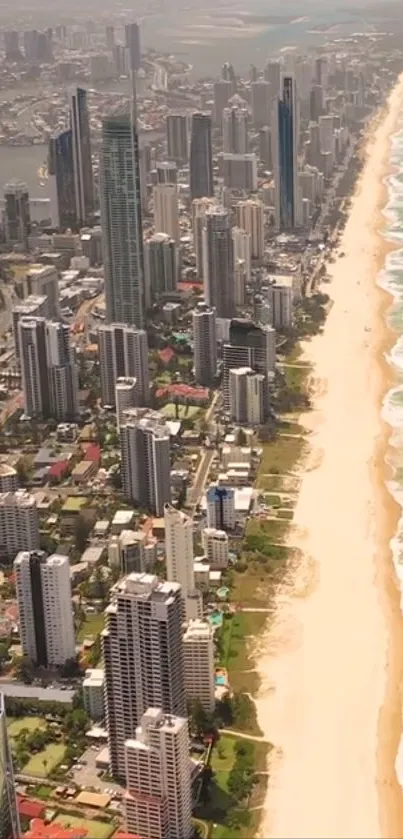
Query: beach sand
(332, 667)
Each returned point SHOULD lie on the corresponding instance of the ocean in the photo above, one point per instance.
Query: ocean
(391, 279)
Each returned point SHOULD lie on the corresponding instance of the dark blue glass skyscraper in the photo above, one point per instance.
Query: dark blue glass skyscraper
(286, 144)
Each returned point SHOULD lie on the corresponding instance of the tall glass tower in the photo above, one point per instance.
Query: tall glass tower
(286, 149)
(61, 179)
(120, 202)
(82, 162)
(201, 158)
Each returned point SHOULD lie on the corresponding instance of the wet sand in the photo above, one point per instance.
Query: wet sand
(332, 671)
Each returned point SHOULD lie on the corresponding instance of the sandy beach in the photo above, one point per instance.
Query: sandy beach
(332, 664)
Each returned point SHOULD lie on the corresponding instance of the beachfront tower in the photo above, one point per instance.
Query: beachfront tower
(286, 148)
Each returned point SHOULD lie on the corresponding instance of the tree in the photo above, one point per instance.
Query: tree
(4, 653)
(81, 533)
(23, 469)
(24, 669)
(70, 668)
(201, 723)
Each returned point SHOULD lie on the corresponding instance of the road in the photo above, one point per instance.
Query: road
(196, 491)
(20, 691)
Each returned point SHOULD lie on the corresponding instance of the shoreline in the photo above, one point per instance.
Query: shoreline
(387, 817)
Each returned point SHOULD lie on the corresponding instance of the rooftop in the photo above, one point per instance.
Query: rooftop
(74, 504)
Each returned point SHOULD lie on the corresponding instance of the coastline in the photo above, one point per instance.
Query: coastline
(382, 514)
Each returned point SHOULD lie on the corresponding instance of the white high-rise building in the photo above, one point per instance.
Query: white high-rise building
(126, 396)
(250, 217)
(242, 249)
(48, 368)
(123, 352)
(146, 466)
(199, 209)
(166, 210)
(261, 98)
(215, 547)
(45, 608)
(247, 396)
(235, 130)
(205, 344)
(158, 802)
(198, 664)
(19, 523)
(180, 556)
(143, 658)
(43, 281)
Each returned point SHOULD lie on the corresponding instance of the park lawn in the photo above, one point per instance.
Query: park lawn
(95, 829)
(223, 756)
(42, 764)
(184, 411)
(91, 627)
(237, 654)
(29, 723)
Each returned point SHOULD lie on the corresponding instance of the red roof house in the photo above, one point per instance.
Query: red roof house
(30, 809)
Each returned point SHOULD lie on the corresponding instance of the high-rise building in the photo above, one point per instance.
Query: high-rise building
(12, 46)
(180, 556)
(316, 102)
(250, 217)
(247, 391)
(32, 307)
(228, 74)
(279, 296)
(223, 90)
(158, 802)
(166, 211)
(143, 658)
(45, 608)
(123, 352)
(201, 157)
(177, 132)
(198, 664)
(19, 524)
(220, 502)
(199, 209)
(160, 266)
(61, 180)
(110, 37)
(261, 98)
(272, 74)
(235, 130)
(17, 220)
(218, 261)
(146, 466)
(82, 160)
(216, 548)
(126, 397)
(167, 172)
(205, 344)
(43, 280)
(132, 40)
(120, 202)
(265, 147)
(48, 368)
(285, 156)
(9, 818)
(8, 478)
(239, 171)
(132, 550)
(242, 249)
(252, 346)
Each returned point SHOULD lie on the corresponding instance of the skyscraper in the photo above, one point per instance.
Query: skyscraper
(198, 663)
(199, 209)
(252, 346)
(201, 157)
(160, 266)
(177, 131)
(219, 262)
(48, 368)
(246, 396)
(120, 202)
(17, 220)
(61, 180)
(261, 102)
(82, 161)
(9, 819)
(220, 501)
(250, 217)
(158, 802)
(205, 344)
(286, 147)
(123, 352)
(146, 467)
(239, 171)
(142, 649)
(272, 74)
(223, 91)
(242, 249)
(132, 39)
(45, 608)
(180, 556)
(19, 524)
(235, 130)
(166, 211)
